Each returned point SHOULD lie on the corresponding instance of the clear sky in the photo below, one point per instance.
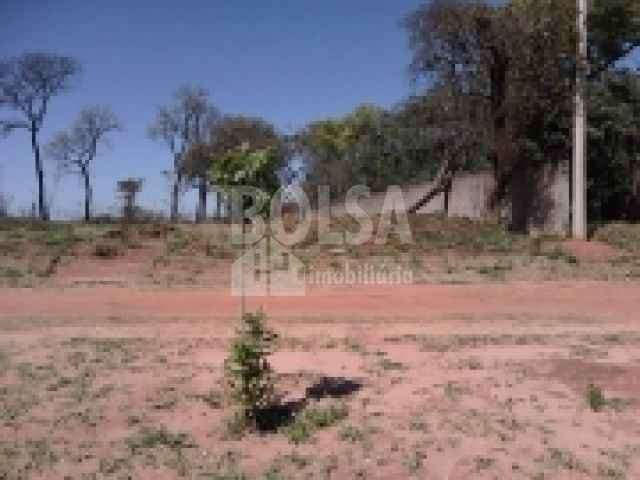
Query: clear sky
(289, 61)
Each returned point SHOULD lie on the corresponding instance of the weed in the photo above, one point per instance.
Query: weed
(59, 237)
(110, 466)
(483, 463)
(470, 364)
(497, 270)
(416, 262)
(611, 472)
(417, 424)
(387, 364)
(213, 399)
(167, 399)
(297, 460)
(563, 459)
(235, 425)
(227, 468)
(177, 243)
(353, 345)
(35, 373)
(595, 398)
(321, 417)
(279, 466)
(40, 453)
(160, 260)
(149, 438)
(11, 273)
(298, 432)
(273, 473)
(453, 391)
(312, 419)
(559, 254)
(619, 404)
(4, 361)
(414, 461)
(351, 434)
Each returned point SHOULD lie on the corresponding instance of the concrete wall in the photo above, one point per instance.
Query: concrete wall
(548, 210)
(469, 195)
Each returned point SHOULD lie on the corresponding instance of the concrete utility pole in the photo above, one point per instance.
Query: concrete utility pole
(579, 227)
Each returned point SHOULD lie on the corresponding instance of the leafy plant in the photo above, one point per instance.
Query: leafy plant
(315, 418)
(248, 373)
(595, 398)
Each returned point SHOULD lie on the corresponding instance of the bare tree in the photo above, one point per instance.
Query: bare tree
(181, 125)
(27, 84)
(75, 149)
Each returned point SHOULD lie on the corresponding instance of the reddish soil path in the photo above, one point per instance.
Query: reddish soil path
(579, 301)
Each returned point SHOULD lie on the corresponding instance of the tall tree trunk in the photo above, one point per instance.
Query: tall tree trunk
(447, 194)
(218, 210)
(502, 148)
(634, 214)
(88, 194)
(174, 201)
(175, 192)
(201, 214)
(42, 209)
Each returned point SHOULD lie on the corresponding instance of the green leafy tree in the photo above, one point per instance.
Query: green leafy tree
(614, 147)
(241, 151)
(516, 62)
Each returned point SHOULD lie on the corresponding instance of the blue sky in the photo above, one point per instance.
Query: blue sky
(289, 61)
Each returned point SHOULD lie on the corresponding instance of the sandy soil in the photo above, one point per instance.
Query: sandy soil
(443, 382)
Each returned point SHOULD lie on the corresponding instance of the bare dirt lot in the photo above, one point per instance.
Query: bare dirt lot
(424, 381)
(508, 357)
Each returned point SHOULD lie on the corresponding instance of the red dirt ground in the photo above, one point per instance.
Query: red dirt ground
(413, 303)
(505, 399)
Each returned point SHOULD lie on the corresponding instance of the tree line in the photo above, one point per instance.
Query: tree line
(196, 133)
(495, 87)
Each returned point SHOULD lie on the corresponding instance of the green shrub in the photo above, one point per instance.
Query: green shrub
(595, 398)
(314, 418)
(248, 374)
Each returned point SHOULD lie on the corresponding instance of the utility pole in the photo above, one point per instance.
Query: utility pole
(579, 204)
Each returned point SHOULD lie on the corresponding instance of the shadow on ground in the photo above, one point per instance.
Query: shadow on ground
(278, 415)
